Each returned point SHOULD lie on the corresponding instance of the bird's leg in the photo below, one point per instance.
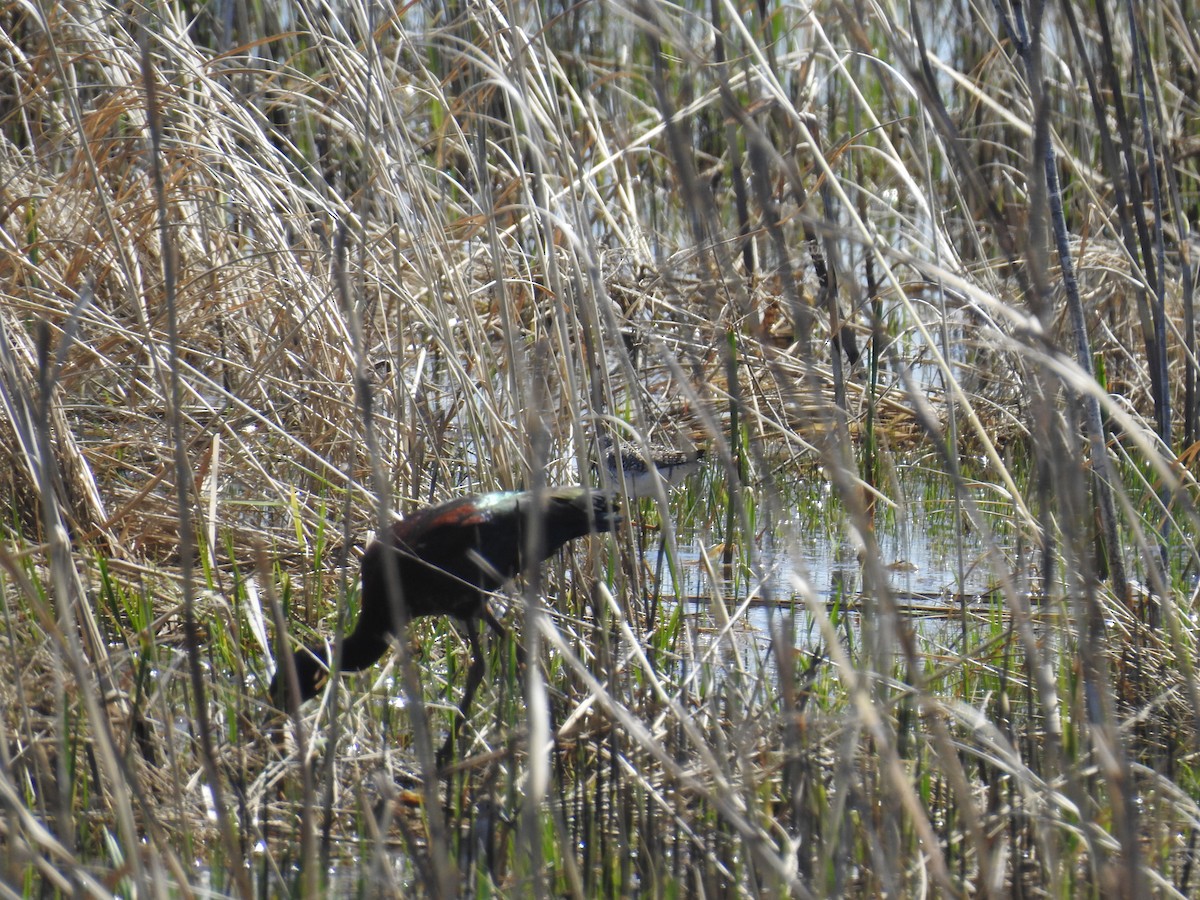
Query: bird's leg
(501, 631)
(474, 677)
(475, 673)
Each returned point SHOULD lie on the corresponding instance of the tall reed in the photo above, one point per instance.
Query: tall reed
(916, 275)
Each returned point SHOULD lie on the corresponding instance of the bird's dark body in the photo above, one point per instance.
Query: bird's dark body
(449, 557)
(445, 560)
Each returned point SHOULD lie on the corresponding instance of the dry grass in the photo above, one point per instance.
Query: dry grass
(266, 278)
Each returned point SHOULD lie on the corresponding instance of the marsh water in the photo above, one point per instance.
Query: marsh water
(805, 564)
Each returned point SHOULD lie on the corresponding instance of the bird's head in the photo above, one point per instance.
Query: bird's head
(312, 671)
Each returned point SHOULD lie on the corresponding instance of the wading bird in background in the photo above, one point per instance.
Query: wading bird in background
(641, 470)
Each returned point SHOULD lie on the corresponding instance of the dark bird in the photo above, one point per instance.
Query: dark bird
(444, 561)
(641, 471)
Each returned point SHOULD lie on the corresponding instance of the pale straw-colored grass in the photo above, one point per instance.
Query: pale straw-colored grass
(333, 263)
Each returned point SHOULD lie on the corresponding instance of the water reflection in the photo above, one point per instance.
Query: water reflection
(922, 573)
